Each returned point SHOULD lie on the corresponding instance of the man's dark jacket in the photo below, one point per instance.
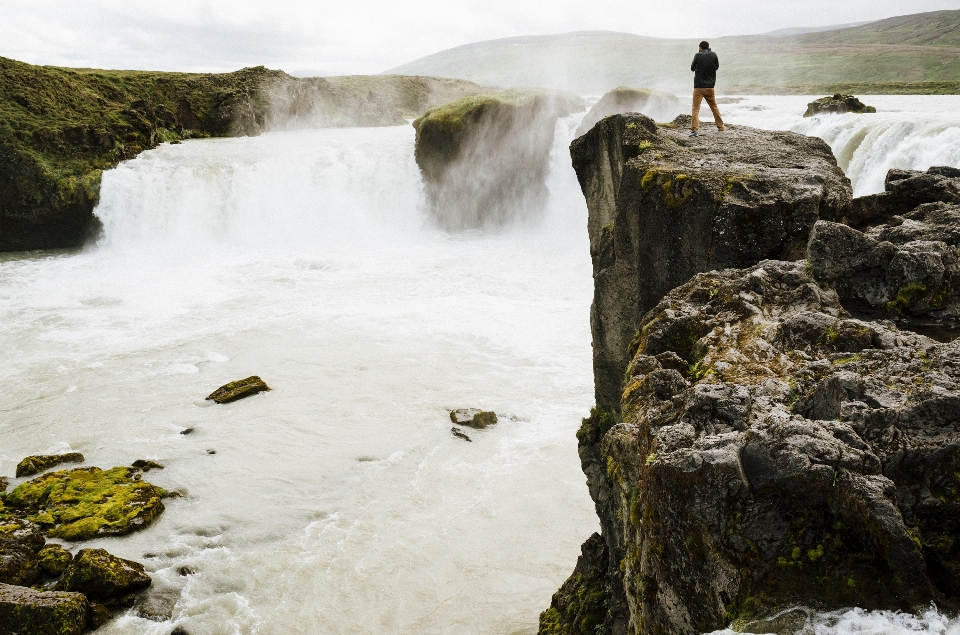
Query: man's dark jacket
(705, 65)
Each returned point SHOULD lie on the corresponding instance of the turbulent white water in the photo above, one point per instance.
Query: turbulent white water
(340, 502)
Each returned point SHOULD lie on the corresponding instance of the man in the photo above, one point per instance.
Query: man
(705, 65)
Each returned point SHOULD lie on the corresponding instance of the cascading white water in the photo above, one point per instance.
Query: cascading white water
(906, 132)
(340, 502)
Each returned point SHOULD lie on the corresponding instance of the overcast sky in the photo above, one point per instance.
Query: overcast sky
(369, 36)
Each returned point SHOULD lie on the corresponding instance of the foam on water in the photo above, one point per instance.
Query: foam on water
(340, 502)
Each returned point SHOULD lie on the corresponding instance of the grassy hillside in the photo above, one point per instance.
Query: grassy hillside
(918, 48)
(60, 127)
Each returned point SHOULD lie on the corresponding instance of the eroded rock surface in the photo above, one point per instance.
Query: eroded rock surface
(31, 612)
(903, 191)
(663, 207)
(837, 105)
(485, 159)
(656, 104)
(773, 451)
(102, 577)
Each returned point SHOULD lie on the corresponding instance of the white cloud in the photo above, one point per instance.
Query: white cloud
(368, 36)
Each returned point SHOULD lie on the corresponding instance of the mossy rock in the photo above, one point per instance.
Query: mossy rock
(238, 390)
(30, 612)
(101, 576)
(473, 418)
(43, 462)
(54, 559)
(87, 502)
(837, 104)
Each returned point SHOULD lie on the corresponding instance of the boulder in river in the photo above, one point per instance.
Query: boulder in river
(238, 390)
(485, 158)
(87, 502)
(103, 577)
(29, 612)
(663, 206)
(54, 559)
(656, 104)
(837, 105)
(43, 462)
(473, 417)
(20, 540)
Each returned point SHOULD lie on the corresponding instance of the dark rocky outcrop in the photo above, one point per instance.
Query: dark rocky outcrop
(792, 455)
(20, 540)
(29, 612)
(473, 417)
(85, 502)
(656, 104)
(485, 159)
(43, 462)
(102, 577)
(236, 390)
(663, 207)
(582, 605)
(60, 128)
(903, 191)
(54, 559)
(458, 433)
(837, 105)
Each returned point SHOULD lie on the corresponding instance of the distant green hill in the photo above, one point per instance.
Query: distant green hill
(913, 49)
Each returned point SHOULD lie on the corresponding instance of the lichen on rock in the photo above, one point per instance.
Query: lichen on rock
(102, 577)
(238, 390)
(29, 612)
(87, 502)
(43, 462)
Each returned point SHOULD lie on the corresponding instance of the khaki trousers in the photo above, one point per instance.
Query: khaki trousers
(699, 94)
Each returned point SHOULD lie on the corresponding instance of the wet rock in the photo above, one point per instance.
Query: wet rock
(187, 431)
(179, 631)
(186, 570)
(663, 207)
(837, 105)
(103, 577)
(157, 606)
(145, 465)
(29, 612)
(54, 559)
(4, 483)
(19, 542)
(473, 417)
(583, 601)
(485, 159)
(803, 458)
(87, 502)
(41, 463)
(238, 390)
(457, 432)
(99, 614)
(904, 190)
(656, 104)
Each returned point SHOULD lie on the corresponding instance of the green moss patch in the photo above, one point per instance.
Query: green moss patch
(87, 502)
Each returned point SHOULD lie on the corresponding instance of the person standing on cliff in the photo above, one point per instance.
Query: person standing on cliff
(705, 65)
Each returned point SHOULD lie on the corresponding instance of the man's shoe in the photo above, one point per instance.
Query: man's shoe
(694, 134)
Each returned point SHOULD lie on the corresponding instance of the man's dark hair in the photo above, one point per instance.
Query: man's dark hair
(704, 45)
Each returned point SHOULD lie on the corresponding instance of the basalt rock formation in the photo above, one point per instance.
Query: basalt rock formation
(774, 445)
(60, 128)
(656, 104)
(664, 207)
(837, 105)
(485, 159)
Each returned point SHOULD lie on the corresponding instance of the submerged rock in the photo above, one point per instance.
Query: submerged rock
(87, 502)
(146, 466)
(663, 207)
(656, 104)
(457, 432)
(41, 463)
(837, 105)
(802, 457)
(157, 606)
(236, 390)
(102, 577)
(54, 559)
(473, 417)
(485, 159)
(29, 612)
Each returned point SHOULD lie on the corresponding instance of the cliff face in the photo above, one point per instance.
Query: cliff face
(769, 452)
(663, 207)
(485, 159)
(60, 128)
